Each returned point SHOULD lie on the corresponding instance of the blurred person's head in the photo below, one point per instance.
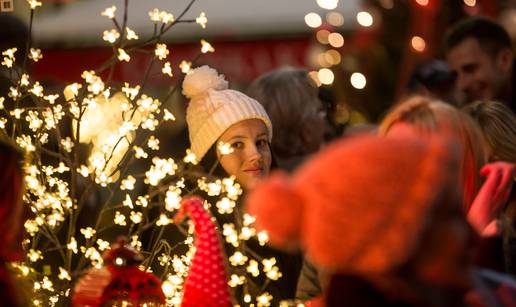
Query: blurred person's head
(298, 116)
(13, 212)
(411, 227)
(498, 125)
(424, 117)
(434, 79)
(479, 54)
(217, 115)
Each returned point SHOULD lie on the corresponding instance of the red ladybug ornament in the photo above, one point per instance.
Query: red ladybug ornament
(119, 283)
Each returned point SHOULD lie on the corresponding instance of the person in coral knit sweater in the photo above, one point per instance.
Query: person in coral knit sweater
(405, 243)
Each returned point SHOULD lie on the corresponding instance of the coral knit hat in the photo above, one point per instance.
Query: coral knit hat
(213, 108)
(361, 205)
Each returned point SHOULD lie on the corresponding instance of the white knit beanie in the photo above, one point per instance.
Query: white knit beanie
(213, 108)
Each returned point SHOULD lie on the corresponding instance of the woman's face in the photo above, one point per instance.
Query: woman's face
(251, 157)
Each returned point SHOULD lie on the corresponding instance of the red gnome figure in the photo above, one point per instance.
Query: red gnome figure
(119, 283)
(206, 284)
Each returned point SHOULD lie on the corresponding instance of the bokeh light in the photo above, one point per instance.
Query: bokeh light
(322, 36)
(336, 40)
(358, 80)
(470, 2)
(365, 19)
(328, 4)
(326, 76)
(418, 43)
(313, 20)
(335, 19)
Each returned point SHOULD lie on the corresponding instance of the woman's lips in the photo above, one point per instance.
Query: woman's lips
(254, 171)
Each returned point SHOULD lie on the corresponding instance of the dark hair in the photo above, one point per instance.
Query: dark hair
(491, 36)
(289, 97)
(433, 75)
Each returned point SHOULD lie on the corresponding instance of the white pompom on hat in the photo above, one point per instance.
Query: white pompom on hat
(213, 108)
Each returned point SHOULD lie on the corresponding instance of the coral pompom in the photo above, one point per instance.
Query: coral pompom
(200, 80)
(275, 193)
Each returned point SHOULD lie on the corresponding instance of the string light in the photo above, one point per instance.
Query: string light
(108, 118)
(313, 20)
(326, 76)
(422, 2)
(358, 80)
(202, 20)
(418, 43)
(365, 19)
(109, 12)
(336, 40)
(322, 36)
(335, 19)
(328, 4)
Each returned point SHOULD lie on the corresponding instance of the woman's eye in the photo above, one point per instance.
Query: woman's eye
(260, 143)
(237, 145)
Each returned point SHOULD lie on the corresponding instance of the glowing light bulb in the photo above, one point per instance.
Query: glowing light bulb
(358, 80)
(418, 43)
(328, 4)
(322, 36)
(470, 3)
(422, 2)
(365, 19)
(336, 40)
(335, 19)
(313, 20)
(326, 76)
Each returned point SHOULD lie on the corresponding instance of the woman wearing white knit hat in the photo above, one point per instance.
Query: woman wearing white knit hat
(218, 115)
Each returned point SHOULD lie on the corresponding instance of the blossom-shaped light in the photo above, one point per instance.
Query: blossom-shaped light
(33, 4)
(236, 280)
(128, 183)
(63, 274)
(238, 259)
(264, 300)
(110, 36)
(136, 217)
(131, 35)
(35, 54)
(123, 56)
(161, 51)
(185, 66)
(167, 69)
(206, 47)
(88, 232)
(224, 148)
(109, 12)
(202, 20)
(119, 219)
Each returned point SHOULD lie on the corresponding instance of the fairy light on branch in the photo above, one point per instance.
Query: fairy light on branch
(110, 121)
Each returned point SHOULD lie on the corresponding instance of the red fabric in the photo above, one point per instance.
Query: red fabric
(206, 284)
(493, 194)
(361, 205)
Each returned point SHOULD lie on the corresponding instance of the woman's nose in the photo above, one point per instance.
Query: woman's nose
(253, 153)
